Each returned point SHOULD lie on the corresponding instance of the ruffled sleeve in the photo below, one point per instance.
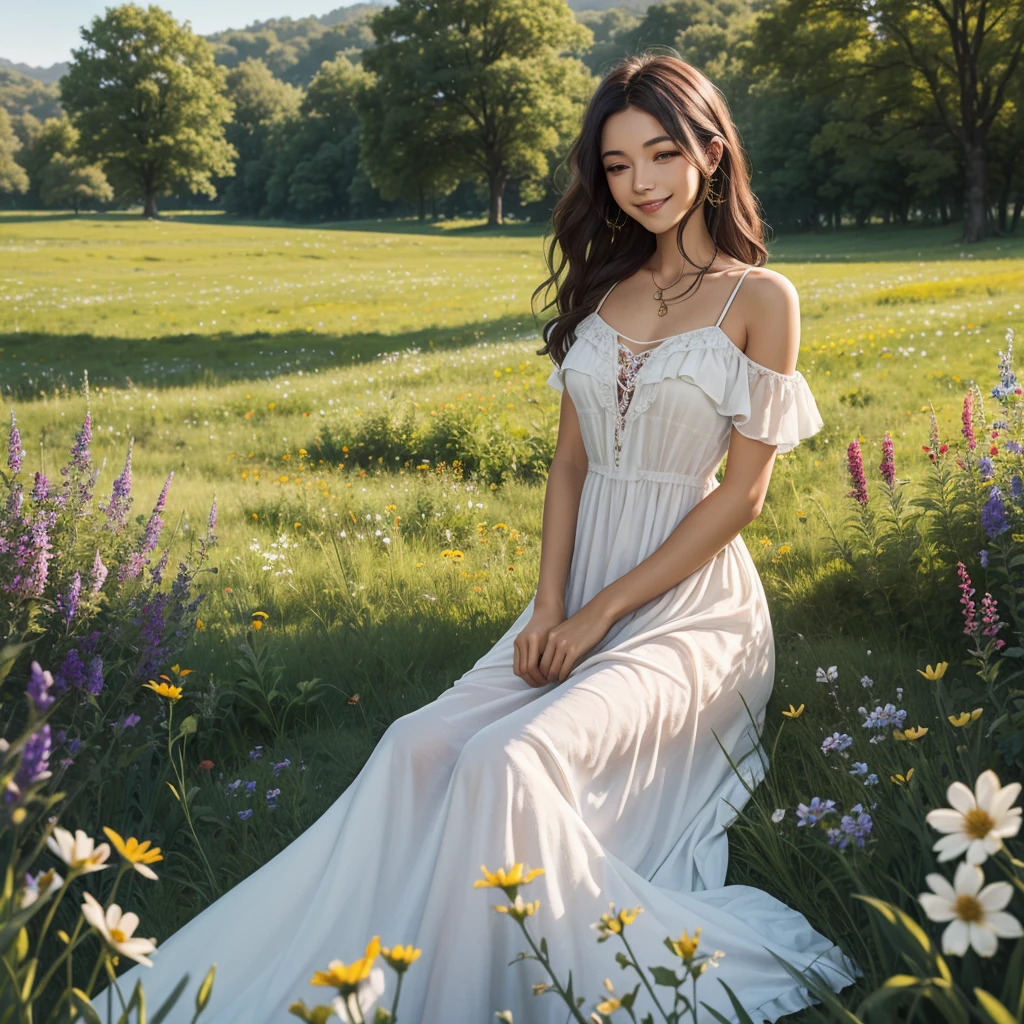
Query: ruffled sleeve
(781, 410)
(555, 379)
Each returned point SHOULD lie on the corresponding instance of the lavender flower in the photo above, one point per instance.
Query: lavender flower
(1014, 446)
(212, 525)
(120, 494)
(855, 463)
(1017, 487)
(256, 753)
(68, 603)
(233, 786)
(39, 685)
(15, 453)
(81, 457)
(852, 829)
(983, 558)
(272, 795)
(985, 469)
(41, 489)
(859, 768)
(888, 717)
(280, 766)
(837, 741)
(94, 682)
(993, 514)
(1007, 378)
(245, 815)
(71, 674)
(34, 765)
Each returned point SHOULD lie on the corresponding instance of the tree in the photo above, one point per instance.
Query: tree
(486, 76)
(12, 175)
(963, 56)
(148, 100)
(65, 182)
(56, 135)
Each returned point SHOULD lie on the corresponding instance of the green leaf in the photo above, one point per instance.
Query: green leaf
(168, 1004)
(9, 655)
(665, 976)
(188, 726)
(82, 1004)
(174, 791)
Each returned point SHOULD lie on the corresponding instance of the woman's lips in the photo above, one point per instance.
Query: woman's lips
(653, 207)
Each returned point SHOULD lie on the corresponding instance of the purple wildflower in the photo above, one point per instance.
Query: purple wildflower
(985, 468)
(1014, 446)
(251, 786)
(983, 558)
(94, 683)
(81, 457)
(15, 453)
(811, 814)
(233, 786)
(71, 674)
(859, 768)
(837, 741)
(41, 488)
(39, 685)
(256, 753)
(888, 717)
(993, 514)
(990, 618)
(856, 466)
(1017, 487)
(68, 603)
(15, 498)
(272, 795)
(967, 593)
(852, 829)
(120, 494)
(212, 525)
(967, 418)
(280, 766)
(34, 765)
(1007, 378)
(245, 815)
(888, 464)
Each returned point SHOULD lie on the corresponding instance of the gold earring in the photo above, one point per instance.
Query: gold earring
(616, 226)
(712, 197)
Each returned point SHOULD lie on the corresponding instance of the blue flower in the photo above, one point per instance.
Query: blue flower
(280, 766)
(837, 741)
(272, 795)
(245, 815)
(256, 753)
(859, 768)
(985, 468)
(811, 814)
(983, 558)
(993, 514)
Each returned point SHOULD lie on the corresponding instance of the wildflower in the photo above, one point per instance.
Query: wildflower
(117, 929)
(855, 827)
(258, 619)
(39, 685)
(968, 423)
(34, 765)
(81, 457)
(964, 718)
(280, 766)
(985, 468)
(346, 978)
(43, 885)
(519, 910)
(245, 815)
(910, 734)
(793, 712)
(938, 672)
(855, 463)
(130, 721)
(967, 593)
(902, 780)
(859, 768)
(871, 780)
(867, 682)
(139, 855)
(172, 693)
(615, 922)
(1007, 378)
(977, 915)
(212, 524)
(272, 795)
(887, 467)
(990, 618)
(778, 814)
(78, 851)
(120, 495)
(206, 765)
(41, 488)
(256, 752)
(976, 823)
(1016, 484)
(15, 453)
(883, 717)
(400, 957)
(829, 676)
(993, 514)
(506, 880)
(98, 576)
(811, 814)
(251, 786)
(685, 947)
(837, 741)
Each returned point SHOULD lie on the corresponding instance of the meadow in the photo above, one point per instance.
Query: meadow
(367, 406)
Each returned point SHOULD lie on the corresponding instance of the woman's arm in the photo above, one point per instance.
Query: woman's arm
(561, 511)
(714, 521)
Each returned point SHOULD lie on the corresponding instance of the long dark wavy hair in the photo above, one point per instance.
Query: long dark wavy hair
(692, 112)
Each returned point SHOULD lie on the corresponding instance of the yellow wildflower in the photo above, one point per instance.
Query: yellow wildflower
(346, 978)
(172, 693)
(794, 712)
(910, 734)
(502, 879)
(685, 947)
(139, 855)
(400, 957)
(964, 717)
(902, 780)
(935, 673)
(518, 909)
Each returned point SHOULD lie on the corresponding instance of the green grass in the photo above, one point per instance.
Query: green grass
(228, 351)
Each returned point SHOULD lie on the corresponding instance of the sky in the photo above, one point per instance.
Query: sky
(42, 32)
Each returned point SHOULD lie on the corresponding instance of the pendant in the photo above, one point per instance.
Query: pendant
(662, 309)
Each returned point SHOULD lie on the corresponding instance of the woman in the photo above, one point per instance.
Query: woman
(591, 740)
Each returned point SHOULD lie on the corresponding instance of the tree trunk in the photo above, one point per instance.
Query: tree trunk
(974, 195)
(422, 203)
(496, 185)
(1017, 206)
(149, 204)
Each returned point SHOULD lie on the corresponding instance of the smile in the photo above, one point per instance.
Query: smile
(654, 205)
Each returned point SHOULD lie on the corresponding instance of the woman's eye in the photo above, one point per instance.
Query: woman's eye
(616, 167)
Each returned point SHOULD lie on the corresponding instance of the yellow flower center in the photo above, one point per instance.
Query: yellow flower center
(978, 823)
(117, 935)
(968, 909)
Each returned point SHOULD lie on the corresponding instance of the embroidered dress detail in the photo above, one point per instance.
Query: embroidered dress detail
(629, 365)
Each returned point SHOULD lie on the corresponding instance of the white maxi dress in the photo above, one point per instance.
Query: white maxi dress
(613, 781)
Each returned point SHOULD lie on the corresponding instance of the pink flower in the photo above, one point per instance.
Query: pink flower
(856, 466)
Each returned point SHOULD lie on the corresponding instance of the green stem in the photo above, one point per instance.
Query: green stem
(643, 977)
(547, 966)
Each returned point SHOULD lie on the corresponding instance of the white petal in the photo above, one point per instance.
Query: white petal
(113, 916)
(1009, 824)
(129, 922)
(977, 852)
(939, 885)
(950, 847)
(984, 942)
(968, 879)
(987, 788)
(937, 908)
(93, 913)
(1004, 800)
(1006, 926)
(960, 797)
(145, 870)
(955, 938)
(995, 895)
(944, 820)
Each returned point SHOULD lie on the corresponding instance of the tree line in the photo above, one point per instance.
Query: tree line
(445, 107)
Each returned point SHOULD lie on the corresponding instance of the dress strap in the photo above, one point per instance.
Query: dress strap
(603, 297)
(731, 297)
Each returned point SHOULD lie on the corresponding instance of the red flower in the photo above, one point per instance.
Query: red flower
(943, 448)
(206, 765)
(994, 450)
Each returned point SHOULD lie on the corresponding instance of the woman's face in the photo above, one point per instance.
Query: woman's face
(644, 166)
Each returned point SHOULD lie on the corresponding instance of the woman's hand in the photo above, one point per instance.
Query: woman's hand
(530, 643)
(570, 640)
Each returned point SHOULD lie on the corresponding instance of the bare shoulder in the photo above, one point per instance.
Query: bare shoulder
(771, 314)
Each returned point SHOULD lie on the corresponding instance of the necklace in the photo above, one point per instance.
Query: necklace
(659, 291)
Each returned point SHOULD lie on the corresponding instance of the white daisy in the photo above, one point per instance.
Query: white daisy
(977, 916)
(79, 850)
(117, 929)
(43, 885)
(976, 823)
